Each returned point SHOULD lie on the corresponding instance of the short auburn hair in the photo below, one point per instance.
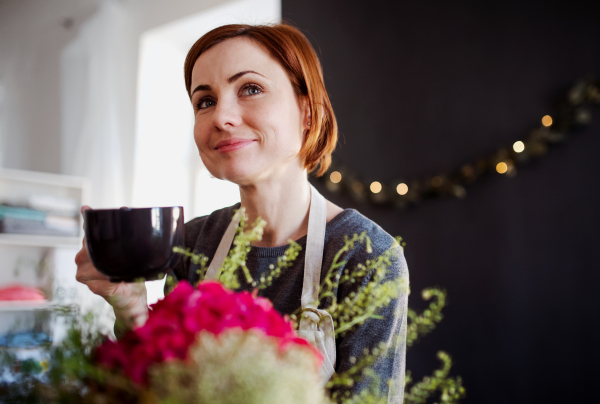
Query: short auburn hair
(298, 58)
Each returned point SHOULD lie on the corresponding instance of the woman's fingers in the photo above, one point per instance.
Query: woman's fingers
(85, 269)
(84, 247)
(87, 273)
(96, 282)
(82, 257)
(102, 288)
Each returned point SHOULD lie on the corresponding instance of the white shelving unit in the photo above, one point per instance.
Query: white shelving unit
(45, 262)
(24, 305)
(38, 241)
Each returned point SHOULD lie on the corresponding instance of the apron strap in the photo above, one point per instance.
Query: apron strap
(315, 243)
(214, 269)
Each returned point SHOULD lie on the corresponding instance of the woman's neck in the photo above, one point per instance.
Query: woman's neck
(283, 203)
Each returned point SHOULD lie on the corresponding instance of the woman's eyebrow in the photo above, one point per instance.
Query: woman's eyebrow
(240, 74)
(201, 87)
(206, 87)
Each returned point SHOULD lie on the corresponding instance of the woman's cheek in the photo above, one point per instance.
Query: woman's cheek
(200, 138)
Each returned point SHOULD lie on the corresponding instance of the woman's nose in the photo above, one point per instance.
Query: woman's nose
(227, 114)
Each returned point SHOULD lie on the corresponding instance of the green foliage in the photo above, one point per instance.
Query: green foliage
(447, 389)
(362, 369)
(284, 262)
(450, 390)
(195, 259)
(375, 293)
(439, 386)
(422, 324)
(237, 255)
(236, 258)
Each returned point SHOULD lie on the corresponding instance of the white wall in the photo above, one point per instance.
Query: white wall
(32, 36)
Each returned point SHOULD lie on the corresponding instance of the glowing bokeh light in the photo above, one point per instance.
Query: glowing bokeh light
(402, 189)
(519, 146)
(502, 167)
(376, 187)
(335, 177)
(547, 120)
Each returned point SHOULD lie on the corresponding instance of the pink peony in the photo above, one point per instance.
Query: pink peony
(174, 323)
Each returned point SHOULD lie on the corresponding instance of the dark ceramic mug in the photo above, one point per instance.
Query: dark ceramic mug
(128, 244)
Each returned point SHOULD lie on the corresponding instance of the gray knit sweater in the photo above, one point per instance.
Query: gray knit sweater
(203, 234)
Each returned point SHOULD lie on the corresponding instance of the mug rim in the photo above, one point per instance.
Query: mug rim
(127, 209)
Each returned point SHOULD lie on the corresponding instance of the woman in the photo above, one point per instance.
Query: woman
(263, 120)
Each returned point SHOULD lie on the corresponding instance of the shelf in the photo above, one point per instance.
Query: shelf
(24, 305)
(46, 179)
(39, 241)
(28, 305)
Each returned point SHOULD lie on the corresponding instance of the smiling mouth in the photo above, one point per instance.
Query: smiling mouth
(229, 145)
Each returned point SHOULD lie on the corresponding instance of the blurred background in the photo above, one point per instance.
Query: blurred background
(93, 110)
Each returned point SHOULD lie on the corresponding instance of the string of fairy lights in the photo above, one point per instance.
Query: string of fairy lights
(573, 114)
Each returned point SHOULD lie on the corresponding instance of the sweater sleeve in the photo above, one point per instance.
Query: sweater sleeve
(388, 335)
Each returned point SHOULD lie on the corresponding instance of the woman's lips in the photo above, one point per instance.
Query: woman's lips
(229, 145)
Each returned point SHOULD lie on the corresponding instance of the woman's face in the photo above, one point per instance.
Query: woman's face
(249, 124)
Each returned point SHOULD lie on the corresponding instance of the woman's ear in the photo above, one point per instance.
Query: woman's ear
(307, 113)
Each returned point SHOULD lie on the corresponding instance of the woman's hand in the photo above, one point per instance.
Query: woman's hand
(128, 300)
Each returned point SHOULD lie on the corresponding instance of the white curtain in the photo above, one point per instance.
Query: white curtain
(2, 118)
(98, 104)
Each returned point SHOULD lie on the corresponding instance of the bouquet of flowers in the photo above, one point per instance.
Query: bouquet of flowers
(209, 344)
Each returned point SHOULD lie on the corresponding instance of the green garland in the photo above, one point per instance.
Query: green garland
(573, 114)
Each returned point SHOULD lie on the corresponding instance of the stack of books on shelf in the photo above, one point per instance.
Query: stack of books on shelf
(41, 215)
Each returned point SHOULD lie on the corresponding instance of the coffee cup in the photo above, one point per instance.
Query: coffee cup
(129, 244)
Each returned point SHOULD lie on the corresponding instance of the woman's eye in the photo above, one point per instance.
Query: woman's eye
(251, 90)
(206, 103)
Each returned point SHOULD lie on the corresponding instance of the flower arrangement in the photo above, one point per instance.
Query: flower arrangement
(211, 338)
(206, 343)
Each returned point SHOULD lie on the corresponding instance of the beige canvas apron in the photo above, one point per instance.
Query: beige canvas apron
(316, 325)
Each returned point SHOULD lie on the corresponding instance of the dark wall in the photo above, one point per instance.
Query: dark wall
(424, 86)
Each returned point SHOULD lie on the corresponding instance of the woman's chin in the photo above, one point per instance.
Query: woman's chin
(239, 175)
(251, 169)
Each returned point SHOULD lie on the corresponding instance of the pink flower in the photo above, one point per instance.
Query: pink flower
(174, 323)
